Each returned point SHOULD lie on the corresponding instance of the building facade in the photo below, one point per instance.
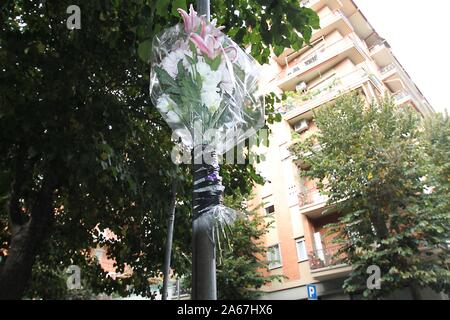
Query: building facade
(346, 54)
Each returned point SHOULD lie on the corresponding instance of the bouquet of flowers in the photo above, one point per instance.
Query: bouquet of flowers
(204, 85)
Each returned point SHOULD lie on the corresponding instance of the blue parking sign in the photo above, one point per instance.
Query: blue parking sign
(312, 292)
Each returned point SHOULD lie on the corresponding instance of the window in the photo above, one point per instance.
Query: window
(274, 256)
(269, 210)
(301, 250)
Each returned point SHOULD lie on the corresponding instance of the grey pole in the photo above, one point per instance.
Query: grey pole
(168, 251)
(203, 247)
(203, 8)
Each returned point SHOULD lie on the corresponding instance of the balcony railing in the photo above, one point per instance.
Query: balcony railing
(359, 44)
(304, 3)
(322, 54)
(400, 96)
(304, 63)
(377, 44)
(325, 257)
(311, 196)
(317, 96)
(387, 68)
(307, 3)
(332, 17)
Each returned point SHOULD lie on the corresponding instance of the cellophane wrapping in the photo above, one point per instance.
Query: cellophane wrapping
(205, 87)
(207, 90)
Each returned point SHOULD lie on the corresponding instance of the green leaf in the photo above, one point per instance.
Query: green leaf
(296, 42)
(215, 63)
(145, 50)
(178, 4)
(164, 77)
(306, 32)
(278, 117)
(162, 8)
(266, 34)
(240, 35)
(278, 50)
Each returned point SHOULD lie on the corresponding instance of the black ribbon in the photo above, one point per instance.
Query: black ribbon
(208, 188)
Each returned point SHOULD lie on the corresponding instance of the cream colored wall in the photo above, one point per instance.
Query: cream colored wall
(324, 11)
(297, 226)
(345, 67)
(333, 37)
(272, 235)
(269, 72)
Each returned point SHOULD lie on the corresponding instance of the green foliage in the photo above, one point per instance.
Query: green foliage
(75, 109)
(48, 283)
(241, 254)
(292, 99)
(240, 270)
(266, 24)
(375, 163)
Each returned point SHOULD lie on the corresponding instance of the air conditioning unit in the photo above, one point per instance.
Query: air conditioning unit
(301, 126)
(301, 87)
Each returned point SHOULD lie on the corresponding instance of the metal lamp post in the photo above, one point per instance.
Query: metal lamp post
(203, 247)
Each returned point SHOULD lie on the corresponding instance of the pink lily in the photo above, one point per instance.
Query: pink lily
(213, 30)
(191, 21)
(209, 46)
(203, 30)
(206, 46)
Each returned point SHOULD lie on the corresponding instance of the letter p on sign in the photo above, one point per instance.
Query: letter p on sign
(312, 292)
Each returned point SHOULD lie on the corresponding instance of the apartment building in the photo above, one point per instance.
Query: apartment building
(347, 54)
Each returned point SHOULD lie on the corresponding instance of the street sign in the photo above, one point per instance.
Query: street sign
(312, 292)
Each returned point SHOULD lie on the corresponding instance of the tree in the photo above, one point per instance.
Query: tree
(242, 262)
(82, 145)
(375, 168)
(436, 148)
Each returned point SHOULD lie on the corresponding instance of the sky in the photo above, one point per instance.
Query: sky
(419, 34)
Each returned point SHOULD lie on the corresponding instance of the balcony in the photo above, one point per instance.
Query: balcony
(301, 163)
(308, 3)
(311, 197)
(332, 21)
(326, 264)
(305, 3)
(388, 71)
(295, 108)
(401, 97)
(336, 20)
(320, 61)
(381, 53)
(311, 203)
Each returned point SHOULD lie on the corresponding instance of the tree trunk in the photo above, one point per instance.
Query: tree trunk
(26, 238)
(415, 292)
(379, 223)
